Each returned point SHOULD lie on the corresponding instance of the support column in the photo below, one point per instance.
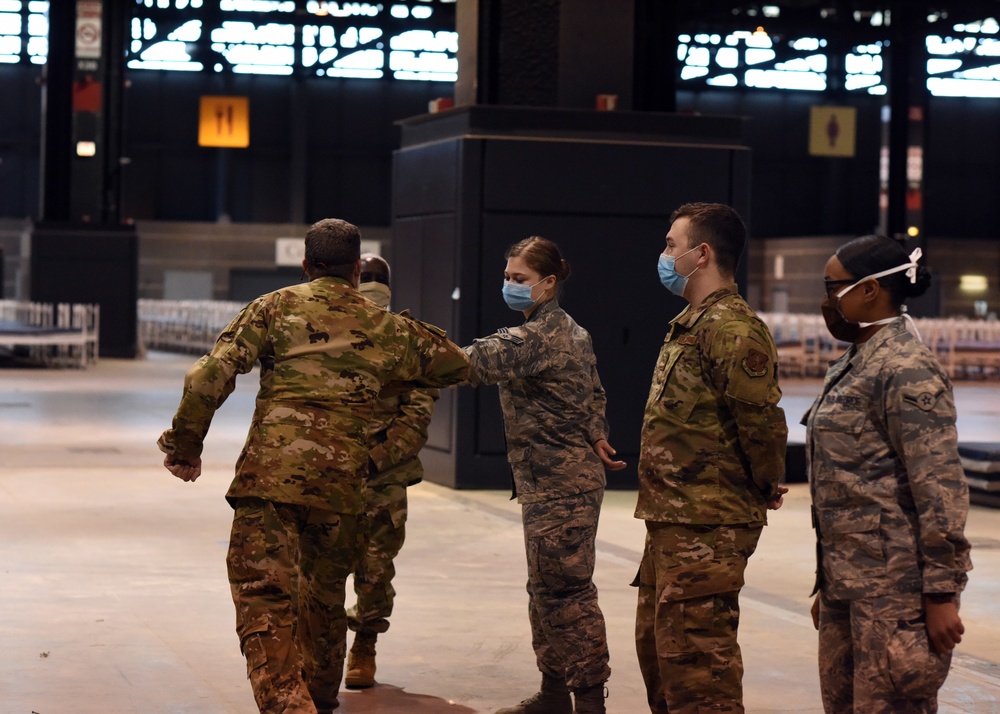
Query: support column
(903, 140)
(545, 53)
(901, 200)
(80, 251)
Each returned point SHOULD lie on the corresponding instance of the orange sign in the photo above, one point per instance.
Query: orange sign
(225, 121)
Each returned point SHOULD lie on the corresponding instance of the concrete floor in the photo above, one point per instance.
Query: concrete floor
(113, 595)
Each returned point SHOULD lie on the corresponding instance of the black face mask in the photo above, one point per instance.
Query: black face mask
(839, 326)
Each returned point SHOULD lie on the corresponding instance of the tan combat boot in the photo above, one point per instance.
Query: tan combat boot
(590, 700)
(361, 663)
(553, 698)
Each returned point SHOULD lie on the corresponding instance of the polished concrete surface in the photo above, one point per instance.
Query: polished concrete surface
(113, 593)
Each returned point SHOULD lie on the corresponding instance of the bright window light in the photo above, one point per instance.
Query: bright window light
(725, 80)
(757, 56)
(727, 57)
(774, 79)
(937, 66)
(942, 87)
(859, 81)
(973, 283)
(10, 23)
(693, 72)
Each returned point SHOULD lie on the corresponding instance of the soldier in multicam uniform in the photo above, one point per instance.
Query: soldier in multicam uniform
(890, 497)
(325, 352)
(712, 455)
(553, 408)
(397, 432)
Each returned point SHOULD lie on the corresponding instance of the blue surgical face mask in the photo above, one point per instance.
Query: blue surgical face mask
(671, 279)
(518, 296)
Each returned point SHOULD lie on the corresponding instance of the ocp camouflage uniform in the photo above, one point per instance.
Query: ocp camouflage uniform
(553, 408)
(890, 501)
(325, 353)
(712, 454)
(397, 433)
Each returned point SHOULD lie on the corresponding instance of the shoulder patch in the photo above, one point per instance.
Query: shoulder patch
(688, 340)
(504, 333)
(922, 399)
(755, 363)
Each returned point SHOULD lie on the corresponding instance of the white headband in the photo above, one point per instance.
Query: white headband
(910, 268)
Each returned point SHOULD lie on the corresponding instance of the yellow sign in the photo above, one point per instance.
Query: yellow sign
(832, 131)
(225, 121)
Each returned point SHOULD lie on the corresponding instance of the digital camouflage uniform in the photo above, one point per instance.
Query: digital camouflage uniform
(712, 453)
(553, 409)
(325, 353)
(397, 433)
(889, 506)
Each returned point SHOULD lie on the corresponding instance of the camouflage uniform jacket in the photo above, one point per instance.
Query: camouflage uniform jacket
(325, 353)
(889, 494)
(396, 434)
(713, 437)
(552, 402)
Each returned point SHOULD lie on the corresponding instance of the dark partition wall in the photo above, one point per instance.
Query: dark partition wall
(470, 182)
(90, 264)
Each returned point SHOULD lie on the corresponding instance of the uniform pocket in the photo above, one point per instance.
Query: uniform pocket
(681, 384)
(858, 548)
(916, 670)
(252, 646)
(704, 578)
(563, 560)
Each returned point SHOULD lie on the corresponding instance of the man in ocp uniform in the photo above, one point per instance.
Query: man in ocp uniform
(396, 434)
(712, 455)
(325, 353)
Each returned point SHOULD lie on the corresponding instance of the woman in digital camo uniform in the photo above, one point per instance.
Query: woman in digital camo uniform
(553, 409)
(889, 494)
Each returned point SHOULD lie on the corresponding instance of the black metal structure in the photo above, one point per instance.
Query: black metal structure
(469, 182)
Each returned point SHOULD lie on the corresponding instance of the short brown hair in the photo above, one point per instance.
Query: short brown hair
(721, 227)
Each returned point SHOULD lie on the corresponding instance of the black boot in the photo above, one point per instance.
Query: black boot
(590, 700)
(553, 698)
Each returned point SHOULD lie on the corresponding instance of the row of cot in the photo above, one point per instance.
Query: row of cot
(967, 349)
(190, 326)
(54, 335)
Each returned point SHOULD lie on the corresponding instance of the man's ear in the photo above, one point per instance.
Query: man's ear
(356, 274)
(709, 254)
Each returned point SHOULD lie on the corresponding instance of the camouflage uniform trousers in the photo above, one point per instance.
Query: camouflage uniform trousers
(567, 626)
(280, 556)
(385, 530)
(875, 657)
(688, 615)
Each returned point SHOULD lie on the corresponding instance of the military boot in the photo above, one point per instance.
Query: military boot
(553, 698)
(590, 700)
(361, 663)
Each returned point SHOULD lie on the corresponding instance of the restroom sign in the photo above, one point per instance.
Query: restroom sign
(224, 121)
(88, 29)
(832, 131)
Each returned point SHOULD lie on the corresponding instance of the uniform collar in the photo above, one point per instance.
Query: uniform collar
(543, 309)
(690, 315)
(334, 281)
(867, 348)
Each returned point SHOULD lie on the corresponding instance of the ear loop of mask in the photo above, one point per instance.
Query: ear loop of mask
(911, 273)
